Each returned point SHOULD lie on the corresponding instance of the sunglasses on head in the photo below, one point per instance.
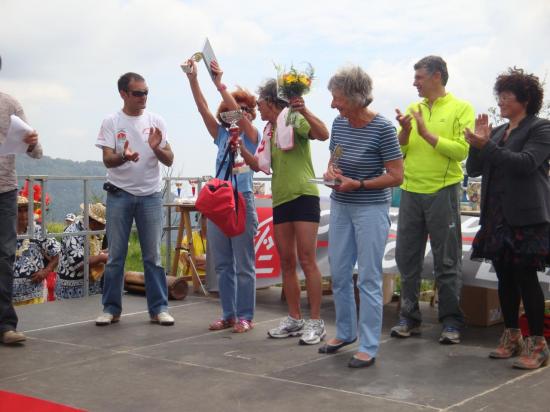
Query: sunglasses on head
(139, 93)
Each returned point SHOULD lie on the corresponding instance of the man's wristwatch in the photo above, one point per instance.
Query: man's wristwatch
(124, 158)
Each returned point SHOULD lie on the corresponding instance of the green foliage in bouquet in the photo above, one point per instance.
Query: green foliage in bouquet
(294, 83)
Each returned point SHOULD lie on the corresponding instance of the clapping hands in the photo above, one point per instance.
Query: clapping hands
(482, 133)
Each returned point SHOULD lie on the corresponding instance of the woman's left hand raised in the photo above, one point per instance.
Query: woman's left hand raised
(218, 73)
(482, 133)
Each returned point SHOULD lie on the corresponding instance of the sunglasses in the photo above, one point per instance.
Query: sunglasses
(246, 109)
(139, 93)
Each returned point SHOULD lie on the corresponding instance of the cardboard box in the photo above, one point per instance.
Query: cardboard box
(481, 306)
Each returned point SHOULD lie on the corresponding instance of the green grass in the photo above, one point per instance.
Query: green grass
(133, 259)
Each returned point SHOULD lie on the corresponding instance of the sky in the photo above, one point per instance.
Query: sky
(61, 58)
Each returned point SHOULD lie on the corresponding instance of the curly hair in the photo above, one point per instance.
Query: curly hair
(525, 86)
(243, 99)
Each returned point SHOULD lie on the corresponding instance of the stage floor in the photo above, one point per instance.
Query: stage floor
(138, 366)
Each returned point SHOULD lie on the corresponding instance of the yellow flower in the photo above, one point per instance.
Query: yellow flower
(304, 80)
(289, 78)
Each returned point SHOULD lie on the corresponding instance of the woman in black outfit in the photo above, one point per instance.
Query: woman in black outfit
(515, 210)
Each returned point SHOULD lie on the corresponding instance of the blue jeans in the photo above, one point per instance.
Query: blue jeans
(358, 234)
(8, 244)
(122, 209)
(235, 265)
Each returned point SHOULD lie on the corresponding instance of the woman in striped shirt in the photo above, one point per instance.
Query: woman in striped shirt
(370, 163)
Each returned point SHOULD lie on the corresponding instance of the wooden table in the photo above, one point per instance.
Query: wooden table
(185, 225)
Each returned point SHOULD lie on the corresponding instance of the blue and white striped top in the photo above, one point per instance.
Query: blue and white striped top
(365, 150)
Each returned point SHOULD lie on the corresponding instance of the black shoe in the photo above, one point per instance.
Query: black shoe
(359, 363)
(328, 348)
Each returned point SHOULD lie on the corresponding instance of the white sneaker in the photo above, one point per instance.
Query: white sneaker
(163, 318)
(287, 328)
(106, 319)
(313, 332)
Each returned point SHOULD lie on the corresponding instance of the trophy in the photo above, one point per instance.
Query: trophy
(334, 159)
(232, 117)
(187, 68)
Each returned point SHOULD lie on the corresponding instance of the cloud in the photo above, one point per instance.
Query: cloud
(66, 56)
(37, 92)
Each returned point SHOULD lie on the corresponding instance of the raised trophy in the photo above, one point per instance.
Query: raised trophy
(232, 117)
(335, 157)
(207, 55)
(187, 68)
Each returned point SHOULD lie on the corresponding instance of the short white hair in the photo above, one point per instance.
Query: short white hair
(354, 83)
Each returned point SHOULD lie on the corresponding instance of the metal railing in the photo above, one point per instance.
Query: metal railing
(42, 180)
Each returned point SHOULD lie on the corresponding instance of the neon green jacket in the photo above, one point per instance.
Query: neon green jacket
(429, 169)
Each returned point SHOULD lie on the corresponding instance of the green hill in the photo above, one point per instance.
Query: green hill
(65, 195)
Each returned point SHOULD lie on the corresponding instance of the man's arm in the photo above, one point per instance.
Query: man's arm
(112, 158)
(34, 149)
(454, 146)
(165, 155)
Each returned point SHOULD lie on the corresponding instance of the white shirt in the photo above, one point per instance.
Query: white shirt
(141, 178)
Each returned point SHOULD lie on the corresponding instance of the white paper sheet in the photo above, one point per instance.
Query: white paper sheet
(14, 139)
(208, 56)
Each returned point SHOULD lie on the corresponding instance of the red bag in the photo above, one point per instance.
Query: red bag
(223, 206)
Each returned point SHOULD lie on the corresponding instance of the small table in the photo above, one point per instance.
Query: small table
(185, 225)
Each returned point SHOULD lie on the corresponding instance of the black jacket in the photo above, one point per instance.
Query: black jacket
(525, 162)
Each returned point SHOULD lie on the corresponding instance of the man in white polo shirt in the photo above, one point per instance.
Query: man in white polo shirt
(133, 141)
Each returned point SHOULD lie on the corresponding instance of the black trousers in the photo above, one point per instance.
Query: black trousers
(516, 283)
(8, 243)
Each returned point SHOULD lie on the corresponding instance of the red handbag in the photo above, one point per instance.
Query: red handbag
(223, 204)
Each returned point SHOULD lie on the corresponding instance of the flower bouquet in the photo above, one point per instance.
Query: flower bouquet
(293, 83)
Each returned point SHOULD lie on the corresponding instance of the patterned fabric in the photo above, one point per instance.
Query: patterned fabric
(527, 246)
(70, 276)
(29, 259)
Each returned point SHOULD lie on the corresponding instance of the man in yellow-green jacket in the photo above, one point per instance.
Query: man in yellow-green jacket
(433, 144)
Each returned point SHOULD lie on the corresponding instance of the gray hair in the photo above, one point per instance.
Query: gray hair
(268, 92)
(434, 64)
(354, 83)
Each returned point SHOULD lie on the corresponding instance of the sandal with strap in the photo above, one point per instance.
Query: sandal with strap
(242, 326)
(222, 324)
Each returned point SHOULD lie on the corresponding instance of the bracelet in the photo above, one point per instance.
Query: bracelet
(222, 87)
(361, 184)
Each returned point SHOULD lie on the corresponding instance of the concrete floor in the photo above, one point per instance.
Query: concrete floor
(138, 366)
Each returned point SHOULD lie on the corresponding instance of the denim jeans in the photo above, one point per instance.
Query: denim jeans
(235, 265)
(8, 242)
(358, 234)
(437, 215)
(122, 209)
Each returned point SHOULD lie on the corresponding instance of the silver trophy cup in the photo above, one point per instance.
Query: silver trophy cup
(232, 117)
